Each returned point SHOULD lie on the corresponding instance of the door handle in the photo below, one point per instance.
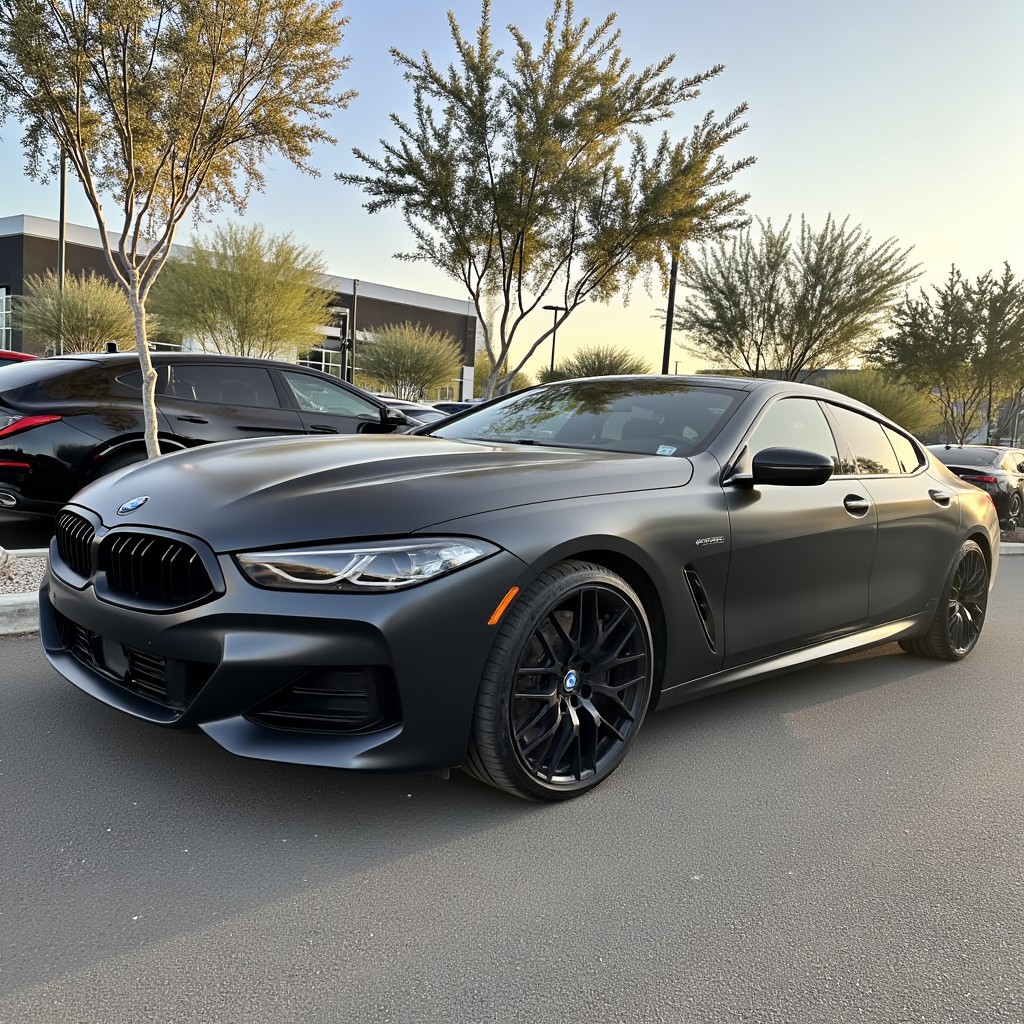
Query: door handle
(318, 428)
(193, 419)
(939, 497)
(856, 505)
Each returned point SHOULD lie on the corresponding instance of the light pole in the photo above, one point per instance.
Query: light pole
(554, 330)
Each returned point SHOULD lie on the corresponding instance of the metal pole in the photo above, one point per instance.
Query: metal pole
(671, 312)
(554, 330)
(352, 345)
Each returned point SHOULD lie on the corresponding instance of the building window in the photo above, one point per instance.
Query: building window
(5, 318)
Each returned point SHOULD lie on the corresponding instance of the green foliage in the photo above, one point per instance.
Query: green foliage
(790, 307)
(244, 292)
(408, 361)
(964, 342)
(913, 409)
(82, 317)
(482, 368)
(596, 361)
(162, 107)
(526, 175)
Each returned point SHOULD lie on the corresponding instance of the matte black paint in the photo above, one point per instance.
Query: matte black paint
(790, 574)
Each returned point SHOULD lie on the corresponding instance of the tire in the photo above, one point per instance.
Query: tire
(119, 462)
(566, 686)
(960, 614)
(1014, 512)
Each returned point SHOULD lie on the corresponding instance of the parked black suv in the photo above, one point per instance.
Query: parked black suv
(67, 420)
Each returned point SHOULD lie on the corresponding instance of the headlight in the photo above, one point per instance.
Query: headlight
(383, 565)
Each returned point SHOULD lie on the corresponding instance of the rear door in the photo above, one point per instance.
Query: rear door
(918, 516)
(209, 400)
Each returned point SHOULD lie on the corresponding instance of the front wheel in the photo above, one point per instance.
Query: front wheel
(566, 687)
(960, 614)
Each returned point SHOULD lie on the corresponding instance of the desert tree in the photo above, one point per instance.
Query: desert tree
(82, 314)
(409, 360)
(767, 302)
(161, 108)
(244, 292)
(596, 361)
(482, 368)
(914, 409)
(963, 341)
(532, 178)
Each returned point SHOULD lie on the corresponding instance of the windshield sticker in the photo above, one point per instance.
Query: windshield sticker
(665, 449)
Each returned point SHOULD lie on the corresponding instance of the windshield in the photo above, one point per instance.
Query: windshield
(647, 416)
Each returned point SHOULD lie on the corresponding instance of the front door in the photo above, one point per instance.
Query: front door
(800, 562)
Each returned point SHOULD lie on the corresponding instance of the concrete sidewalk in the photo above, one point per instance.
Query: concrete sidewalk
(19, 613)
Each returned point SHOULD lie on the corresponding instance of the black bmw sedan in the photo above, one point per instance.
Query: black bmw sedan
(69, 420)
(994, 468)
(513, 590)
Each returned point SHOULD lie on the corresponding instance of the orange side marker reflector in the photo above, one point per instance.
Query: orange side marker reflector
(500, 610)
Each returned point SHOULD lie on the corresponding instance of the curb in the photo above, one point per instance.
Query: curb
(19, 613)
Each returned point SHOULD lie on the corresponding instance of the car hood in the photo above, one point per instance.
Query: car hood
(240, 494)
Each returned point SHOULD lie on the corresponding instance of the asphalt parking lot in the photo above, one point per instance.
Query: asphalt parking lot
(842, 843)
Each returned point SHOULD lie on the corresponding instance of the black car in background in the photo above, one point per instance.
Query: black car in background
(994, 468)
(512, 589)
(67, 420)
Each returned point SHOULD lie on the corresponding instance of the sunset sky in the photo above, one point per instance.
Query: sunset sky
(904, 115)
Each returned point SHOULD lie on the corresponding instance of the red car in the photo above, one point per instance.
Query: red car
(7, 356)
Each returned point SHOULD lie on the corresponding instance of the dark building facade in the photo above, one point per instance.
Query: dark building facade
(29, 245)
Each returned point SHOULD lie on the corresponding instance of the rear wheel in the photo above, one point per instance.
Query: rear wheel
(1014, 512)
(960, 614)
(566, 687)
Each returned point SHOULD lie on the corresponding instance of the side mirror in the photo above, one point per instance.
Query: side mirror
(791, 467)
(394, 417)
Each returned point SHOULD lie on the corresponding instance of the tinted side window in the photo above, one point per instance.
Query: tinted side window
(794, 423)
(222, 384)
(133, 379)
(315, 395)
(871, 449)
(907, 454)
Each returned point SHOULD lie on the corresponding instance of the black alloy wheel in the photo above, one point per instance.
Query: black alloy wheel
(567, 685)
(1014, 512)
(960, 614)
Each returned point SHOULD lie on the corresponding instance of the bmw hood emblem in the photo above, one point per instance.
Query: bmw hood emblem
(570, 680)
(132, 505)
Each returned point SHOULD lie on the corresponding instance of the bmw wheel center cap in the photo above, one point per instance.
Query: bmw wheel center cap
(132, 505)
(570, 681)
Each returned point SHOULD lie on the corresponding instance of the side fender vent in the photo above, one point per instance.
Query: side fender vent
(703, 606)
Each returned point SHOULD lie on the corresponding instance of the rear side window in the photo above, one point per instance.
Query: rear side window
(222, 384)
(872, 453)
(42, 377)
(907, 453)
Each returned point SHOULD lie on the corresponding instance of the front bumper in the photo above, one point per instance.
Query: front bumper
(220, 665)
